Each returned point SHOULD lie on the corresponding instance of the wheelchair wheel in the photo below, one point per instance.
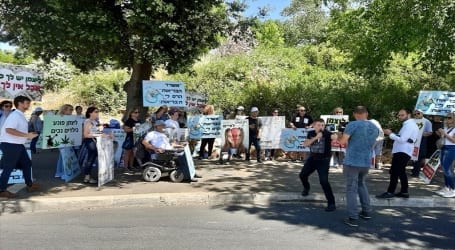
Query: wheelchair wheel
(176, 176)
(152, 174)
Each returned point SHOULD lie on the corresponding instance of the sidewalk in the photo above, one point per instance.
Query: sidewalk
(239, 182)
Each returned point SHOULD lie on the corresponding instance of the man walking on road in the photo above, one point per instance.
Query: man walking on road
(13, 136)
(403, 146)
(319, 140)
(360, 136)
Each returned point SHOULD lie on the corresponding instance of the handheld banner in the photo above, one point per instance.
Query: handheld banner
(195, 100)
(141, 130)
(61, 131)
(292, 139)
(68, 165)
(429, 169)
(105, 147)
(271, 131)
(119, 138)
(333, 122)
(436, 102)
(19, 80)
(415, 152)
(158, 93)
(205, 126)
(235, 135)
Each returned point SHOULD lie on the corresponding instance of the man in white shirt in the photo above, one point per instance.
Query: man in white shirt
(13, 136)
(403, 147)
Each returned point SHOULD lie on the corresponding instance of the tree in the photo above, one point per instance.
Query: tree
(269, 34)
(376, 29)
(141, 34)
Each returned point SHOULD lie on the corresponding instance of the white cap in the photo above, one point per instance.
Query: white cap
(254, 109)
(240, 108)
(38, 109)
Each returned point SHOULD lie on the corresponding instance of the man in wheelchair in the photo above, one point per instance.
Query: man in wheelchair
(158, 144)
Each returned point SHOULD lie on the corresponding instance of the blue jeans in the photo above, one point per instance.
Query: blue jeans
(14, 157)
(356, 186)
(447, 158)
(257, 146)
(92, 155)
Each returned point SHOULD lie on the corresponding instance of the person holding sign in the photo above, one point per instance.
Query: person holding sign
(448, 156)
(403, 147)
(208, 110)
(300, 120)
(13, 136)
(427, 132)
(35, 124)
(319, 140)
(255, 125)
(128, 144)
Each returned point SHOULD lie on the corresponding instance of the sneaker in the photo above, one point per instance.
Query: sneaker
(7, 194)
(305, 192)
(443, 191)
(33, 188)
(385, 195)
(89, 180)
(259, 161)
(365, 215)
(402, 195)
(351, 222)
(330, 208)
(449, 194)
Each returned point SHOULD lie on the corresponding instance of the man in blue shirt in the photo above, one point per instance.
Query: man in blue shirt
(360, 136)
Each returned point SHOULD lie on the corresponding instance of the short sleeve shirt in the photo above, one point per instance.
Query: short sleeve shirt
(362, 136)
(15, 120)
(131, 123)
(257, 125)
(302, 121)
(158, 140)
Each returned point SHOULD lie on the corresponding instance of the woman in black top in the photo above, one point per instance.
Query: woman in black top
(128, 144)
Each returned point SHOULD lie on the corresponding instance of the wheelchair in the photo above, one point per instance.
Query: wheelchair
(165, 164)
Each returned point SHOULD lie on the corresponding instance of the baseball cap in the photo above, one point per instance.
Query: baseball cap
(160, 123)
(38, 109)
(240, 108)
(254, 109)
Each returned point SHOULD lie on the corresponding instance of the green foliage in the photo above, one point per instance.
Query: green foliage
(18, 57)
(269, 34)
(101, 88)
(57, 74)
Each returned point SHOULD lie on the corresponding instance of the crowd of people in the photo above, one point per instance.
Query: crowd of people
(362, 138)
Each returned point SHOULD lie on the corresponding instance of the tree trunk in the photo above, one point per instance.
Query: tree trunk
(133, 88)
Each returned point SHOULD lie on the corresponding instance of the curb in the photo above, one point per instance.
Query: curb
(188, 199)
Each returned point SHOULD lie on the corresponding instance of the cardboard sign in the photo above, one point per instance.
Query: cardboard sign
(195, 100)
(332, 122)
(61, 131)
(105, 147)
(20, 81)
(158, 93)
(436, 102)
(205, 126)
(235, 135)
(429, 169)
(415, 152)
(119, 138)
(292, 140)
(271, 131)
(68, 165)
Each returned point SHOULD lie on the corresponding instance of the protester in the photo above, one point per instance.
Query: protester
(319, 140)
(172, 124)
(300, 120)
(160, 114)
(402, 149)
(13, 136)
(240, 112)
(270, 153)
(378, 145)
(35, 124)
(128, 145)
(90, 133)
(448, 156)
(360, 136)
(79, 111)
(338, 156)
(66, 109)
(157, 142)
(436, 124)
(182, 119)
(427, 131)
(5, 108)
(208, 110)
(255, 126)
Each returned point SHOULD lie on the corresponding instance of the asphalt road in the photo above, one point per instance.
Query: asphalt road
(280, 226)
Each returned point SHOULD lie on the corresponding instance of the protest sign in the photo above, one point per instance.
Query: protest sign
(204, 126)
(16, 175)
(158, 93)
(105, 147)
(61, 131)
(235, 135)
(195, 100)
(429, 169)
(68, 165)
(292, 139)
(141, 130)
(119, 138)
(333, 122)
(19, 80)
(188, 161)
(271, 131)
(436, 102)
(415, 152)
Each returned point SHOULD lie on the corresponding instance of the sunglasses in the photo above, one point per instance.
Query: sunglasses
(339, 112)
(136, 112)
(417, 113)
(302, 110)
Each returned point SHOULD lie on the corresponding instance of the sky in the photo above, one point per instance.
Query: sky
(275, 6)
